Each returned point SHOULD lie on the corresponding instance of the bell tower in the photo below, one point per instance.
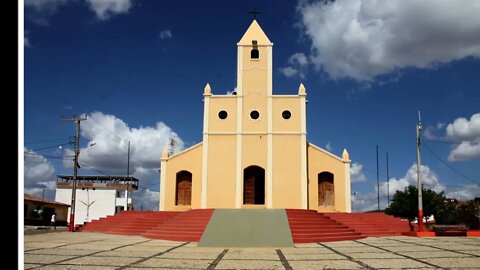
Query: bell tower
(254, 63)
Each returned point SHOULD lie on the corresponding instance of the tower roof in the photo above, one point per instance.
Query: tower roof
(254, 32)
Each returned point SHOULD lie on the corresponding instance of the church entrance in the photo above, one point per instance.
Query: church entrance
(326, 189)
(183, 195)
(254, 185)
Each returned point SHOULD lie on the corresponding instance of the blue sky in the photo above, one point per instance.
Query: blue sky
(138, 69)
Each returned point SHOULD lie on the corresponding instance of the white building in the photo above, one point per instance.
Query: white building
(96, 196)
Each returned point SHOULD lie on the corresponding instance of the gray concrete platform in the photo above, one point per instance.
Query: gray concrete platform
(87, 250)
(247, 228)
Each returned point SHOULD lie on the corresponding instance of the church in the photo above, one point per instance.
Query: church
(255, 152)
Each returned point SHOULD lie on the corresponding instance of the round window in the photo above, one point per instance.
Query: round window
(222, 114)
(254, 114)
(286, 114)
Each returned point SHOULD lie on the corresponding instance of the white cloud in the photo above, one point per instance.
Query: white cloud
(298, 59)
(465, 151)
(110, 136)
(365, 202)
(429, 131)
(429, 180)
(104, 9)
(440, 125)
(288, 71)
(463, 130)
(362, 39)
(329, 146)
(298, 63)
(38, 173)
(40, 10)
(166, 34)
(467, 132)
(466, 192)
(356, 173)
(49, 6)
(146, 199)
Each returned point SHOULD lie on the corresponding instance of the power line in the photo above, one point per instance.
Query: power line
(450, 167)
(438, 141)
(52, 146)
(93, 169)
(46, 156)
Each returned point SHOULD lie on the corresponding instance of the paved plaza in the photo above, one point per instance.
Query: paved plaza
(86, 250)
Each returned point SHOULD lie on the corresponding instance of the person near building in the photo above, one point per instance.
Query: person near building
(52, 221)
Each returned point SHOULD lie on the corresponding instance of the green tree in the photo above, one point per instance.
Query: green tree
(405, 203)
(447, 213)
(468, 214)
(433, 203)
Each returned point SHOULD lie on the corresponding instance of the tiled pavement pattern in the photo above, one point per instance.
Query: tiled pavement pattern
(85, 250)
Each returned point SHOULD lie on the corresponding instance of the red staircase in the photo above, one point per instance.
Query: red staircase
(187, 226)
(371, 224)
(308, 226)
(129, 222)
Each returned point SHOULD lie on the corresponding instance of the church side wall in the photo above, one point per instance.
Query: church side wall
(319, 161)
(189, 161)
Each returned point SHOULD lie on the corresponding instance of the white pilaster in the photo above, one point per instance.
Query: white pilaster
(163, 179)
(238, 164)
(269, 193)
(206, 111)
(348, 200)
(303, 151)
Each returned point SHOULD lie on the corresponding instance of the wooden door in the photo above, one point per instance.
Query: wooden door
(249, 190)
(184, 192)
(326, 194)
(329, 194)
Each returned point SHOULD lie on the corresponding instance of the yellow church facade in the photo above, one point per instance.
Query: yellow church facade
(254, 152)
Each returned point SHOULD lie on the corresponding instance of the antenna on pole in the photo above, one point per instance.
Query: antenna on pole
(172, 145)
(419, 176)
(419, 119)
(378, 185)
(388, 185)
(127, 193)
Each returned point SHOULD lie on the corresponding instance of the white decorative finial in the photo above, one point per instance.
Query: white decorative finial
(301, 90)
(345, 155)
(208, 90)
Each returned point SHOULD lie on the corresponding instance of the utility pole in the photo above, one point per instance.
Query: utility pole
(128, 175)
(378, 184)
(75, 168)
(43, 194)
(419, 176)
(388, 185)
